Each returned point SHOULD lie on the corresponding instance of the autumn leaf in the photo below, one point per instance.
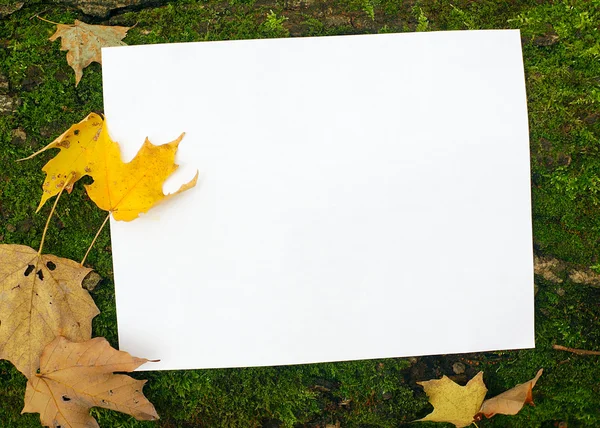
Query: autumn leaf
(75, 377)
(453, 403)
(124, 189)
(510, 402)
(74, 159)
(84, 42)
(40, 298)
(129, 189)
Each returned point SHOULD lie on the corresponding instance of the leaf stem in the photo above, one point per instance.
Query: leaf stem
(95, 237)
(33, 155)
(48, 21)
(67, 181)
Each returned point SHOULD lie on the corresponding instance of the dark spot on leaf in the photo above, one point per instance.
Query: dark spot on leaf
(50, 266)
(40, 275)
(103, 401)
(29, 269)
(65, 398)
(110, 392)
(76, 132)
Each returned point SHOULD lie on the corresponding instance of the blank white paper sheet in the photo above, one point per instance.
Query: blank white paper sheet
(359, 197)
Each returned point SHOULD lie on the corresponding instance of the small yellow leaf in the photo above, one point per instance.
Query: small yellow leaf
(129, 189)
(76, 145)
(511, 402)
(453, 403)
(84, 43)
(75, 377)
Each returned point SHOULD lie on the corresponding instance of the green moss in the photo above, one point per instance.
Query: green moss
(561, 50)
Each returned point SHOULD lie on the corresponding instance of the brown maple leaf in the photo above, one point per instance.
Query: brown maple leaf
(40, 298)
(512, 401)
(75, 377)
(84, 42)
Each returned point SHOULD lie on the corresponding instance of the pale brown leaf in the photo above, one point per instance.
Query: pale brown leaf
(40, 298)
(510, 402)
(84, 43)
(75, 377)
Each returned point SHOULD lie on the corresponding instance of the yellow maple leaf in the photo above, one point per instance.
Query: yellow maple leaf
(40, 298)
(453, 403)
(74, 159)
(84, 43)
(75, 377)
(124, 189)
(129, 189)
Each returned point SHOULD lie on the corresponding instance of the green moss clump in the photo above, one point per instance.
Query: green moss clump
(561, 51)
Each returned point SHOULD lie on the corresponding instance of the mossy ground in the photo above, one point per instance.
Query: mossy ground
(561, 48)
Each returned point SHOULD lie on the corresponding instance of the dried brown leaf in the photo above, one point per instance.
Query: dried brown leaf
(84, 43)
(510, 402)
(75, 377)
(40, 298)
